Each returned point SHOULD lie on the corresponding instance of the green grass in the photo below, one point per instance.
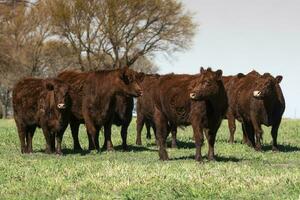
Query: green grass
(239, 173)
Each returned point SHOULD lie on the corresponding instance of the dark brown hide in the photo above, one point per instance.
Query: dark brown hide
(41, 103)
(256, 100)
(95, 100)
(198, 100)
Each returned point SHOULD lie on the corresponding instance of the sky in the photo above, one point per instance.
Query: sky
(241, 35)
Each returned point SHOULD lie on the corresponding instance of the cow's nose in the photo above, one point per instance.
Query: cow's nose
(256, 93)
(61, 105)
(140, 92)
(192, 95)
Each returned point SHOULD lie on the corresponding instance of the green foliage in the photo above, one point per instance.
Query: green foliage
(238, 173)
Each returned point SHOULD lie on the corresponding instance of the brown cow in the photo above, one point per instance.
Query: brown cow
(95, 100)
(259, 100)
(198, 100)
(145, 110)
(122, 117)
(230, 84)
(41, 103)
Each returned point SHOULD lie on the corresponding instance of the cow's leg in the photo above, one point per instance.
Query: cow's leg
(154, 132)
(198, 135)
(258, 134)
(148, 127)
(161, 133)
(232, 127)
(245, 137)
(107, 137)
(92, 132)
(97, 138)
(274, 133)
(91, 145)
(249, 132)
(75, 132)
(58, 138)
(49, 139)
(124, 132)
(22, 135)
(29, 136)
(174, 136)
(140, 120)
(211, 138)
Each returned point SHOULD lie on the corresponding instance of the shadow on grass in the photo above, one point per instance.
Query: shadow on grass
(133, 148)
(282, 148)
(218, 158)
(182, 144)
(72, 152)
(66, 151)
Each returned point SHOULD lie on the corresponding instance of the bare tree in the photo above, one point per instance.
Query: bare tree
(124, 30)
(24, 28)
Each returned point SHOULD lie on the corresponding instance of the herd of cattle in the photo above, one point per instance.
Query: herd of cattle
(164, 102)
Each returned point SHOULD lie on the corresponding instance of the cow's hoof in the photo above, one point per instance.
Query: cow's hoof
(125, 148)
(198, 158)
(48, 151)
(211, 158)
(163, 155)
(275, 149)
(258, 149)
(77, 149)
(110, 148)
(230, 141)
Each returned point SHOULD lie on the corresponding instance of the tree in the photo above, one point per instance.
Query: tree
(23, 29)
(124, 30)
(57, 56)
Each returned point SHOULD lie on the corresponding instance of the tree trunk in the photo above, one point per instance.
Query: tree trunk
(5, 103)
(1, 110)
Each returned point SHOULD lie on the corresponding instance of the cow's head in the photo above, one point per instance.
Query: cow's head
(206, 84)
(265, 85)
(130, 82)
(57, 94)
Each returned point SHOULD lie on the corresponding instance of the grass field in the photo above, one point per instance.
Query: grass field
(238, 173)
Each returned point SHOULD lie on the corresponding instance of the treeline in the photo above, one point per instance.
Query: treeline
(41, 38)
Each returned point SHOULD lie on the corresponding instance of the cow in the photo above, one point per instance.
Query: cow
(230, 84)
(145, 110)
(259, 101)
(199, 100)
(95, 100)
(43, 103)
(122, 117)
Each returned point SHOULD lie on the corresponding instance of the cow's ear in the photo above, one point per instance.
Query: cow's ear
(123, 72)
(124, 75)
(49, 86)
(140, 76)
(266, 74)
(240, 75)
(219, 74)
(202, 70)
(279, 79)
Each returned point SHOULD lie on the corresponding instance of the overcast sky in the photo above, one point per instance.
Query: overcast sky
(241, 35)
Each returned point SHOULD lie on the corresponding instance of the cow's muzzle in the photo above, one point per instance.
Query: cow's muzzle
(61, 106)
(257, 93)
(193, 95)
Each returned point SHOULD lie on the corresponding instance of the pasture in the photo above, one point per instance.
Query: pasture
(238, 173)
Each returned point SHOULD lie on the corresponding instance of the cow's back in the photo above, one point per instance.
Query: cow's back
(145, 103)
(26, 96)
(76, 80)
(172, 97)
